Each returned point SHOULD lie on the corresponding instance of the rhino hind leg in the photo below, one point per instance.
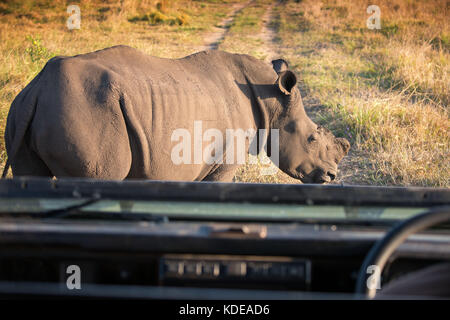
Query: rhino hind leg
(84, 160)
(28, 163)
(112, 166)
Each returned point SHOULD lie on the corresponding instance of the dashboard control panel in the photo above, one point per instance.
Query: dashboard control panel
(232, 269)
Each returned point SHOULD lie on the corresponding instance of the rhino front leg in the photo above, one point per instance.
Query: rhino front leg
(222, 174)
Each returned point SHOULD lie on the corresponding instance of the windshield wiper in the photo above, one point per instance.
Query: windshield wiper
(68, 210)
(108, 215)
(75, 211)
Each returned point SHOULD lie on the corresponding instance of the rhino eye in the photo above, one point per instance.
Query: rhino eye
(312, 138)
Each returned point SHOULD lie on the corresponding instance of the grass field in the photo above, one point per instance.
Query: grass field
(387, 91)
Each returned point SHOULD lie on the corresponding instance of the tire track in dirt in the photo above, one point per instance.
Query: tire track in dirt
(214, 39)
(268, 35)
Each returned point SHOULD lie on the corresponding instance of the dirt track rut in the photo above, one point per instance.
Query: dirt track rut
(214, 38)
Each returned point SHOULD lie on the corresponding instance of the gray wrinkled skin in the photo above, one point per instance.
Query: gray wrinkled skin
(110, 114)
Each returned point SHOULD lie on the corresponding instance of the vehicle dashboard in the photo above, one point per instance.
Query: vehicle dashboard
(185, 258)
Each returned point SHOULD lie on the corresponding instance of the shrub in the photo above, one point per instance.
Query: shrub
(36, 50)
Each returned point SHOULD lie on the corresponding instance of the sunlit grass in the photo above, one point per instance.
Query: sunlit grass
(387, 91)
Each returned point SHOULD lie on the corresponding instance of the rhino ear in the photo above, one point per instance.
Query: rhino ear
(280, 65)
(286, 81)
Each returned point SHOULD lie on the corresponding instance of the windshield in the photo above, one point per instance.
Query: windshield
(214, 210)
(209, 201)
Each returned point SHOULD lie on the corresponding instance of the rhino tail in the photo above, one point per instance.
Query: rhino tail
(5, 169)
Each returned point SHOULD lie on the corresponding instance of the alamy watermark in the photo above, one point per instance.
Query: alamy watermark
(74, 20)
(231, 148)
(374, 21)
(374, 281)
(74, 279)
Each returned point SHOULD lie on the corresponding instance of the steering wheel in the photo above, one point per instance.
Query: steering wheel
(383, 248)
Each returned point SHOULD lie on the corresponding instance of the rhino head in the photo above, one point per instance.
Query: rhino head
(307, 152)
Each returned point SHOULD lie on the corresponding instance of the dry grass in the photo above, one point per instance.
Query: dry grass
(387, 91)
